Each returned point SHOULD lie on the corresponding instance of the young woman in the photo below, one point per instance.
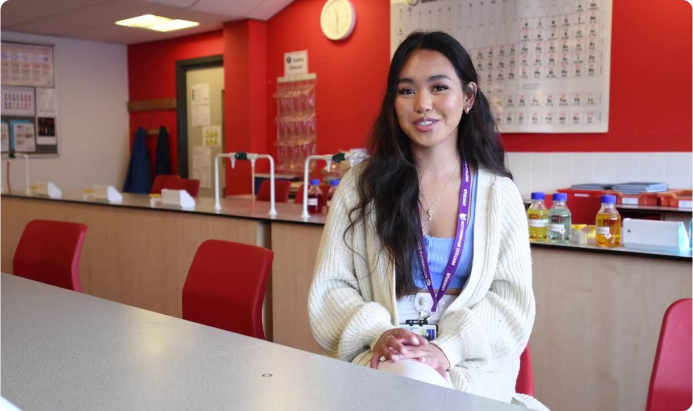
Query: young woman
(429, 236)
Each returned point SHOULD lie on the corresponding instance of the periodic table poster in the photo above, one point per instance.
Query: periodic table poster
(543, 64)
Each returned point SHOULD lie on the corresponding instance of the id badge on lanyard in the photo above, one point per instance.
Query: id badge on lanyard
(457, 249)
(422, 328)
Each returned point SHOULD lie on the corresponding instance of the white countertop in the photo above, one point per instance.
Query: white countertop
(291, 213)
(230, 207)
(63, 350)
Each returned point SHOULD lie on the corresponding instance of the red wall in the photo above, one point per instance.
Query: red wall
(245, 98)
(650, 98)
(350, 74)
(650, 101)
(152, 75)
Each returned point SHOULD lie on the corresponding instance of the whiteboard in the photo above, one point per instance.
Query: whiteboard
(543, 64)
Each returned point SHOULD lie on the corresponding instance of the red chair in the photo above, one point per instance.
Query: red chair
(226, 285)
(299, 194)
(671, 381)
(281, 191)
(525, 379)
(49, 252)
(189, 185)
(163, 181)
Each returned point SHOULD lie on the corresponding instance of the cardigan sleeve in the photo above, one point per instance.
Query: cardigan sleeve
(343, 323)
(496, 329)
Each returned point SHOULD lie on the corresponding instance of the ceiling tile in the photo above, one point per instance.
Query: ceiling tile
(268, 9)
(66, 23)
(127, 35)
(130, 8)
(18, 11)
(173, 3)
(12, 18)
(95, 19)
(226, 7)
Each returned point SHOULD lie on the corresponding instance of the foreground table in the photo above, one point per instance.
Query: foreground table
(65, 350)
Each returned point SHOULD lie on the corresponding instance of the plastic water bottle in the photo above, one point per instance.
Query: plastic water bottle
(559, 220)
(333, 187)
(538, 218)
(315, 200)
(608, 224)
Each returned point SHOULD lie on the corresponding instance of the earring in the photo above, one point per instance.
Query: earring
(467, 110)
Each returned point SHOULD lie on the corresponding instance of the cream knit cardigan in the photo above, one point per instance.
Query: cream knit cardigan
(483, 332)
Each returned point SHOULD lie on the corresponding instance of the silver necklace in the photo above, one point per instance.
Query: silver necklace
(430, 208)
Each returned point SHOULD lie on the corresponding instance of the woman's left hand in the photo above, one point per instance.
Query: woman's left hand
(429, 354)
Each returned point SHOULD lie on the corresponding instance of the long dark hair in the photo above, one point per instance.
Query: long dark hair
(389, 185)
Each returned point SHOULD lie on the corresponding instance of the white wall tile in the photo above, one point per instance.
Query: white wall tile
(562, 163)
(604, 168)
(583, 166)
(652, 166)
(550, 171)
(520, 164)
(678, 182)
(541, 171)
(652, 179)
(561, 170)
(677, 164)
(624, 178)
(628, 166)
(523, 182)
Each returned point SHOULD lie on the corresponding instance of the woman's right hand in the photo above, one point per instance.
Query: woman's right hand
(392, 345)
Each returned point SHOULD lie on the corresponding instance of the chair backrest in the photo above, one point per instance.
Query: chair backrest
(281, 191)
(525, 379)
(163, 181)
(49, 252)
(226, 285)
(192, 186)
(299, 194)
(670, 384)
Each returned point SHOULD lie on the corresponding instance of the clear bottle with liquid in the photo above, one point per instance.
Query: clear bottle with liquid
(538, 218)
(559, 220)
(333, 187)
(315, 200)
(608, 224)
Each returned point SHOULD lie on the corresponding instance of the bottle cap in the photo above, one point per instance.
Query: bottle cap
(315, 182)
(560, 197)
(334, 183)
(538, 196)
(609, 199)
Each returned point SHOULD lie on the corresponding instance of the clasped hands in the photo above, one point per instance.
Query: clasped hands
(400, 344)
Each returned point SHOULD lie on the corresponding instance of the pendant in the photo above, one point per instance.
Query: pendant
(430, 214)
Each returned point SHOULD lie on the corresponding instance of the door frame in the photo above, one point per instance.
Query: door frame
(182, 67)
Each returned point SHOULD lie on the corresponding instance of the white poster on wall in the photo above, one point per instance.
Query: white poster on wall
(5, 137)
(24, 137)
(201, 167)
(18, 101)
(296, 62)
(200, 94)
(543, 65)
(201, 115)
(46, 102)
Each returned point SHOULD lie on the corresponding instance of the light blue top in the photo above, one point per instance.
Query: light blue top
(439, 252)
